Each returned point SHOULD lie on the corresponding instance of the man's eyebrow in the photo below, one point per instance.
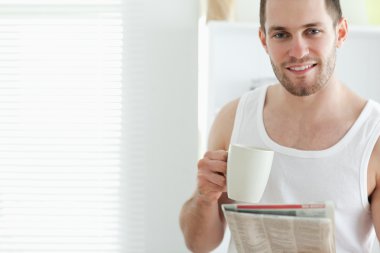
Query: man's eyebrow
(276, 28)
(282, 28)
(312, 25)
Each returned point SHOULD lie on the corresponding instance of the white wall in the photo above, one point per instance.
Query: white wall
(171, 62)
(248, 11)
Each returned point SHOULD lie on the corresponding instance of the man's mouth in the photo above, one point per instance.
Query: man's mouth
(301, 69)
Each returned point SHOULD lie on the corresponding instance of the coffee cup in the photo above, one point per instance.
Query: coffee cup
(248, 170)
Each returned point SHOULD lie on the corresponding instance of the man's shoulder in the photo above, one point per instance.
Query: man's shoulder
(373, 116)
(226, 115)
(229, 110)
(222, 127)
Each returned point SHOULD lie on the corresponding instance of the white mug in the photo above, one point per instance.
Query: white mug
(248, 170)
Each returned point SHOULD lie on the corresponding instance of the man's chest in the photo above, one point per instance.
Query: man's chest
(304, 135)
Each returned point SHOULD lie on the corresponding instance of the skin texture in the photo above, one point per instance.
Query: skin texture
(301, 41)
(304, 45)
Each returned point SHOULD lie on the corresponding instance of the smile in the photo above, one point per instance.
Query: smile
(301, 68)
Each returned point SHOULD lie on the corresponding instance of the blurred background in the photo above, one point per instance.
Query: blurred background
(103, 116)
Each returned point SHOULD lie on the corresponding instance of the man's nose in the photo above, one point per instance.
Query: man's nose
(299, 48)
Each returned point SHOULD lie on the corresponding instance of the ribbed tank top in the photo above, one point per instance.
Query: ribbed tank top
(337, 174)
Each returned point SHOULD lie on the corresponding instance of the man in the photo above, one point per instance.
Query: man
(325, 137)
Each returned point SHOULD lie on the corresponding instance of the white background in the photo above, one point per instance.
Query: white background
(172, 136)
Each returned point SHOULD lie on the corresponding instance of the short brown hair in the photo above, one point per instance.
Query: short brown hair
(333, 7)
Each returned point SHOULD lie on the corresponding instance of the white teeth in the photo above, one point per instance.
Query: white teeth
(301, 68)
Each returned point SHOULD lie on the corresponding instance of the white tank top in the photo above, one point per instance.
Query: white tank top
(337, 174)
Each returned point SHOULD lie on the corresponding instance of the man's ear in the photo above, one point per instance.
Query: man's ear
(342, 32)
(262, 37)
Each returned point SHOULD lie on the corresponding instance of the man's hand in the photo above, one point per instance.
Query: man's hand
(212, 176)
(201, 220)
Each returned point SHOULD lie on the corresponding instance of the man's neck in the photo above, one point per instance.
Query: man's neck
(330, 98)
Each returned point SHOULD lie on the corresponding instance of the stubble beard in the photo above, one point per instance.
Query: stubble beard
(302, 88)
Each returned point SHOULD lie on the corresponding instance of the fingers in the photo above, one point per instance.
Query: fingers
(215, 161)
(211, 175)
(215, 178)
(207, 187)
(208, 191)
(217, 155)
(215, 166)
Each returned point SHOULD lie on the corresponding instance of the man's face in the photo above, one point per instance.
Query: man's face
(301, 41)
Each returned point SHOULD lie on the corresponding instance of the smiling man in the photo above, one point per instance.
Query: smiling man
(325, 137)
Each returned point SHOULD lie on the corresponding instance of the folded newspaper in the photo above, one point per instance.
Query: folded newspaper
(292, 228)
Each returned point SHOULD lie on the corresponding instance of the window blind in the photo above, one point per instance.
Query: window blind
(63, 124)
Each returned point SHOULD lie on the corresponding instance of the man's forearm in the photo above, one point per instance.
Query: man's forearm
(201, 224)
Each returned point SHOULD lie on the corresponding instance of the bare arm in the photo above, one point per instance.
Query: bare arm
(375, 209)
(201, 219)
(374, 187)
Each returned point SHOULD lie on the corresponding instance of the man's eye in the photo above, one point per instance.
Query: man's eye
(280, 36)
(313, 31)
